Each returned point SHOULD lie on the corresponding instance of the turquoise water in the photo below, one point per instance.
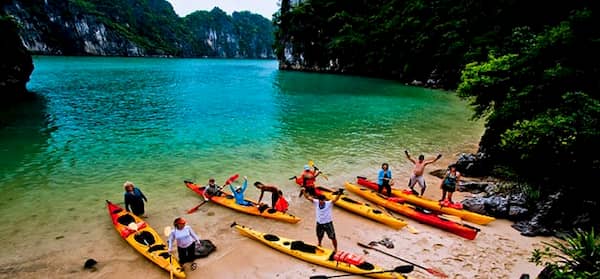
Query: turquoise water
(156, 122)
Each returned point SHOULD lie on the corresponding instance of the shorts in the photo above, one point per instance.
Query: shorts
(328, 228)
(449, 187)
(417, 179)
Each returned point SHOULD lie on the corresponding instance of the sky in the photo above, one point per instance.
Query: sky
(265, 8)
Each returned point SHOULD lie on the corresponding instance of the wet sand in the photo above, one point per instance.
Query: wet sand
(498, 251)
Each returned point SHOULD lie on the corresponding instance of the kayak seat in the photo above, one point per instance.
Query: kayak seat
(125, 219)
(377, 211)
(349, 200)
(301, 246)
(271, 210)
(145, 238)
(271, 237)
(156, 248)
(263, 207)
(164, 255)
(366, 266)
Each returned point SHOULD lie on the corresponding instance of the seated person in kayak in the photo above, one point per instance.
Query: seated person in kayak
(307, 180)
(449, 183)
(211, 189)
(238, 193)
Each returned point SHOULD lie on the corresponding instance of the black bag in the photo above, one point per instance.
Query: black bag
(204, 247)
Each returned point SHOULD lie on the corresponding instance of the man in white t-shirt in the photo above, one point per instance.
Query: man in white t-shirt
(324, 220)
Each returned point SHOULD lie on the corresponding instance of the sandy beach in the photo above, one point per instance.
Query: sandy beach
(498, 251)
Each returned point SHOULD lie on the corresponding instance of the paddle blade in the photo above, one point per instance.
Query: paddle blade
(311, 163)
(436, 273)
(404, 269)
(167, 231)
(231, 179)
(412, 229)
(319, 277)
(193, 209)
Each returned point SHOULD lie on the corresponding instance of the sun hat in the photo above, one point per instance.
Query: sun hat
(306, 167)
(179, 221)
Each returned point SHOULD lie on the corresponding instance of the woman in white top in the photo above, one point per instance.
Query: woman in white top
(186, 238)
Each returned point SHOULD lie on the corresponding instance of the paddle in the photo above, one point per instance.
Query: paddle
(399, 269)
(430, 270)
(227, 182)
(311, 163)
(167, 233)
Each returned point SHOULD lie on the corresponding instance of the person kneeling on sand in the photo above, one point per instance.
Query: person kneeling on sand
(324, 219)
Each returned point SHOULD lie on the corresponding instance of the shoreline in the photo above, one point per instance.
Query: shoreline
(498, 251)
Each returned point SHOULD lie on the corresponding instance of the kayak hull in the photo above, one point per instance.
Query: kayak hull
(145, 239)
(431, 218)
(360, 208)
(226, 199)
(466, 215)
(313, 254)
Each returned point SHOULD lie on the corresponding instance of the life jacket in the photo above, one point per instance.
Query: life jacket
(281, 204)
(300, 180)
(348, 257)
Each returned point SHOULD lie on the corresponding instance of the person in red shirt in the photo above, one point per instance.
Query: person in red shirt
(307, 180)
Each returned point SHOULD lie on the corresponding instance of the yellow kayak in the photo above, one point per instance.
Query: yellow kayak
(432, 205)
(143, 238)
(363, 209)
(349, 263)
(226, 199)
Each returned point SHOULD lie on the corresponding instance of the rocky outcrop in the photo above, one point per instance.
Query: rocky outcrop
(16, 64)
(138, 28)
(534, 214)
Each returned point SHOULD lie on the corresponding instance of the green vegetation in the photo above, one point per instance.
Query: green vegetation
(151, 25)
(576, 256)
(531, 74)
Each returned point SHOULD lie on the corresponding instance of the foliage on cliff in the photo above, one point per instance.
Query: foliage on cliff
(137, 28)
(16, 65)
(532, 74)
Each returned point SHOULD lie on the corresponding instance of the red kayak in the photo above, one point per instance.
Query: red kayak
(422, 215)
(454, 209)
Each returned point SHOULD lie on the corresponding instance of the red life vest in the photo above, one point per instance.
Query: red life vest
(281, 204)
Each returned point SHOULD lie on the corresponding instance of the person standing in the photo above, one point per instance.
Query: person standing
(323, 209)
(186, 239)
(384, 179)
(419, 169)
(134, 199)
(307, 180)
(449, 183)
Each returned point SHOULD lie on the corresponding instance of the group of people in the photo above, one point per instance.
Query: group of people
(185, 237)
(448, 184)
(278, 202)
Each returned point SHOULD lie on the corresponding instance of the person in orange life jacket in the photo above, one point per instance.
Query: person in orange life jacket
(211, 189)
(238, 193)
(384, 179)
(323, 209)
(275, 193)
(449, 183)
(186, 239)
(134, 199)
(308, 178)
